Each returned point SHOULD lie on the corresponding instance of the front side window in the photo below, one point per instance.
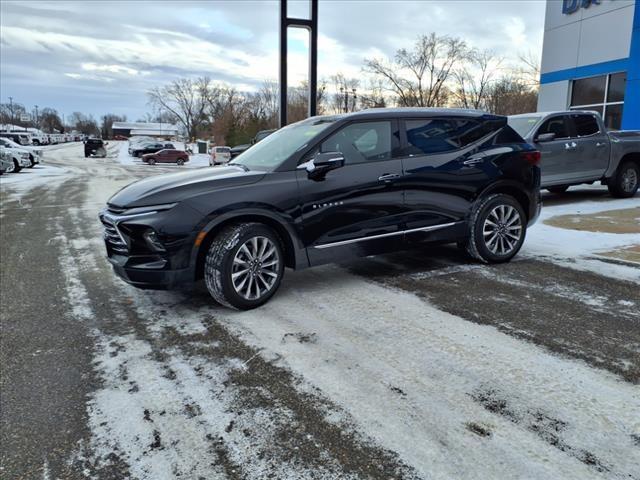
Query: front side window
(585, 125)
(557, 125)
(603, 94)
(361, 142)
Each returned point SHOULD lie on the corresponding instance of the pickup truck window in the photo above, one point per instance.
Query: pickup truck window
(558, 125)
(585, 125)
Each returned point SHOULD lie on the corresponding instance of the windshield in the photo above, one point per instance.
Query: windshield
(269, 154)
(522, 125)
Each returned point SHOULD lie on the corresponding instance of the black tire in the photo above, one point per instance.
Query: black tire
(180, 162)
(151, 161)
(32, 160)
(625, 181)
(487, 212)
(221, 261)
(558, 189)
(16, 166)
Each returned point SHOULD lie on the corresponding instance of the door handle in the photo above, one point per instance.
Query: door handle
(570, 146)
(387, 177)
(600, 144)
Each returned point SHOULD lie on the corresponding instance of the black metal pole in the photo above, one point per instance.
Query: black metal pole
(312, 26)
(283, 62)
(313, 60)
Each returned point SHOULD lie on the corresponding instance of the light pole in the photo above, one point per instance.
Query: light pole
(11, 110)
(36, 123)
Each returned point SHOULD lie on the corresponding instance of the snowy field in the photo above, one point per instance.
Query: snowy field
(414, 365)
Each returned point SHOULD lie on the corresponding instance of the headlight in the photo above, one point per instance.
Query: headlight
(146, 210)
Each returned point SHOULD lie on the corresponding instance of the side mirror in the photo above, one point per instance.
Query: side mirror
(545, 137)
(323, 163)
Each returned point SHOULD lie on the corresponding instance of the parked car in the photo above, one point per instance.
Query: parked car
(143, 149)
(576, 148)
(261, 135)
(95, 147)
(35, 154)
(6, 161)
(219, 156)
(328, 189)
(166, 156)
(19, 157)
(21, 138)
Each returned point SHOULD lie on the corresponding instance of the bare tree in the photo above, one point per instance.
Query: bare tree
(344, 97)
(510, 96)
(106, 128)
(184, 98)
(529, 71)
(418, 77)
(473, 79)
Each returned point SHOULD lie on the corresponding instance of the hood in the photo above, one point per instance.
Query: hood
(175, 187)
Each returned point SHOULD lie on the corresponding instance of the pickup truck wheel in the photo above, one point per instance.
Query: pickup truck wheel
(625, 182)
(244, 266)
(497, 229)
(558, 189)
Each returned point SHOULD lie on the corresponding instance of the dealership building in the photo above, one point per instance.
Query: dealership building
(591, 59)
(132, 129)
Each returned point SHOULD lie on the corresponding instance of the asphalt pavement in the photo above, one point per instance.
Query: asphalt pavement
(100, 380)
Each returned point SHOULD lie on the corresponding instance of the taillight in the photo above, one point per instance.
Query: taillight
(532, 157)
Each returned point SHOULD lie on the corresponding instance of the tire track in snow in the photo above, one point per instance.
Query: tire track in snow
(180, 396)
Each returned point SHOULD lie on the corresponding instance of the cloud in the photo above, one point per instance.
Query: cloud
(117, 50)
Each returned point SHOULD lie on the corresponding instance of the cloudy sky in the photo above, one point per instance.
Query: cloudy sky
(99, 57)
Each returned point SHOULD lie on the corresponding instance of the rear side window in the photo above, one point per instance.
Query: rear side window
(361, 142)
(585, 125)
(557, 125)
(436, 135)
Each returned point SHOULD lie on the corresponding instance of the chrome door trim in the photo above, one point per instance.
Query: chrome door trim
(383, 235)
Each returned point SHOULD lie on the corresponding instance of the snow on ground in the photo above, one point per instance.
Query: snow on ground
(197, 160)
(22, 182)
(574, 248)
(417, 379)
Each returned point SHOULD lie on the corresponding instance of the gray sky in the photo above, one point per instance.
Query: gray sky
(99, 57)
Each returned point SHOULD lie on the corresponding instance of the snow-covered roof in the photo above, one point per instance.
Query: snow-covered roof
(144, 126)
(155, 132)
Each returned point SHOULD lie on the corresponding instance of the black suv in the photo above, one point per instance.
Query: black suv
(324, 190)
(94, 147)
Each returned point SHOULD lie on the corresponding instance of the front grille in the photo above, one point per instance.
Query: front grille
(112, 236)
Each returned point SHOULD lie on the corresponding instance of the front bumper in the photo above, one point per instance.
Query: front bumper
(149, 278)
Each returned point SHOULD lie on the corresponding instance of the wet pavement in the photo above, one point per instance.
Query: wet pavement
(342, 375)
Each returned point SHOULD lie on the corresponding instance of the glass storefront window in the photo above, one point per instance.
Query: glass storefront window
(603, 94)
(588, 91)
(617, 85)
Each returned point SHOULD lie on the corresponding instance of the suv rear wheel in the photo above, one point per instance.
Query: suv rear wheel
(497, 231)
(244, 266)
(625, 182)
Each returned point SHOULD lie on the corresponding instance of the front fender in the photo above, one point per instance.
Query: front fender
(283, 223)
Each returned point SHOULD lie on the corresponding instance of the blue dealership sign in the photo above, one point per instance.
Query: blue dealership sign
(571, 6)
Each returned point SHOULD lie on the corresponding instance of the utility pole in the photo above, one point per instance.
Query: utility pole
(37, 124)
(11, 110)
(312, 26)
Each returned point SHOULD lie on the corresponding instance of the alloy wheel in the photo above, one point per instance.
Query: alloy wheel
(629, 179)
(255, 268)
(502, 229)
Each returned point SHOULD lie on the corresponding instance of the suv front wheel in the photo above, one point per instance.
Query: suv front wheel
(497, 229)
(244, 266)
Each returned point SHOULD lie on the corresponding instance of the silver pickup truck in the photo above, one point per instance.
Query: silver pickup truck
(577, 148)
